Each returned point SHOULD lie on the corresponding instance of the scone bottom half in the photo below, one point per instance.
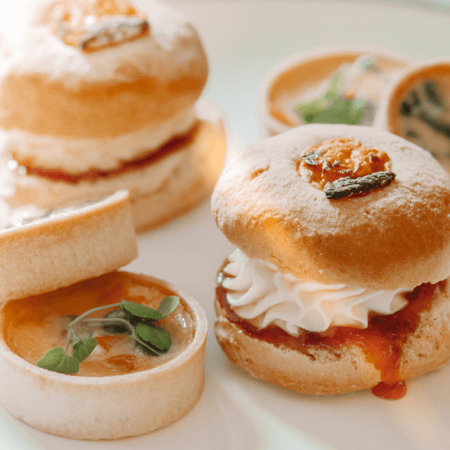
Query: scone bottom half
(340, 280)
(76, 354)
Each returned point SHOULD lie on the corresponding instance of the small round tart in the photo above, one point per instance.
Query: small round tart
(305, 77)
(45, 249)
(130, 93)
(120, 390)
(161, 185)
(416, 107)
(343, 359)
(339, 204)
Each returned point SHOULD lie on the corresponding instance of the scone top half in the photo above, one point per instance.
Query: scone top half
(96, 70)
(270, 202)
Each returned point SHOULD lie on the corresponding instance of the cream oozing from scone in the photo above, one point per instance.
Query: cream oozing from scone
(257, 291)
(76, 155)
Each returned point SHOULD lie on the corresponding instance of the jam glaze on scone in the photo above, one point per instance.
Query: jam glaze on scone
(111, 91)
(339, 280)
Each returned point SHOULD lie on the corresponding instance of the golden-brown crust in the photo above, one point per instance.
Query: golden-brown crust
(340, 370)
(66, 247)
(108, 407)
(394, 237)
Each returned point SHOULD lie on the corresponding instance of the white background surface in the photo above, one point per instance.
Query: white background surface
(243, 40)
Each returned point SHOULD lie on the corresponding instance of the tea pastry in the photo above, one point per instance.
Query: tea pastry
(416, 107)
(111, 104)
(339, 280)
(87, 352)
(341, 86)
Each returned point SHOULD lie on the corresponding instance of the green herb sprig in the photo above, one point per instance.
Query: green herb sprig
(331, 107)
(134, 318)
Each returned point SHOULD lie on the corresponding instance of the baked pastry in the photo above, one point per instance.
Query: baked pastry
(340, 86)
(111, 104)
(339, 282)
(73, 359)
(416, 107)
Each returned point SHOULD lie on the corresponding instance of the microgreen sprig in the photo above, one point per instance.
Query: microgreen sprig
(137, 319)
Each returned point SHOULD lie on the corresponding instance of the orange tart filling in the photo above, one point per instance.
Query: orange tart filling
(35, 324)
(382, 341)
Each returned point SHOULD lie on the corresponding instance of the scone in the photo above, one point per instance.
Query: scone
(340, 86)
(87, 352)
(111, 103)
(340, 278)
(415, 106)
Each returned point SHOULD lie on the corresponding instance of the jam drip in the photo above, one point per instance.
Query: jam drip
(382, 341)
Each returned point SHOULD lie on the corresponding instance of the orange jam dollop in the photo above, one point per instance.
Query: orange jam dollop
(72, 23)
(34, 325)
(338, 158)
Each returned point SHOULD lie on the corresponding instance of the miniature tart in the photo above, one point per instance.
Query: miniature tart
(118, 376)
(342, 261)
(42, 250)
(327, 86)
(416, 107)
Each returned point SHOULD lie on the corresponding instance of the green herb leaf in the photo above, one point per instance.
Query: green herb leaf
(142, 311)
(168, 305)
(83, 348)
(331, 108)
(155, 336)
(57, 360)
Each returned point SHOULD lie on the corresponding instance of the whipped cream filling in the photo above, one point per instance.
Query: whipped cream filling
(264, 296)
(81, 155)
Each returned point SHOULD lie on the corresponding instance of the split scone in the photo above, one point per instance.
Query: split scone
(339, 86)
(114, 354)
(416, 106)
(111, 103)
(340, 279)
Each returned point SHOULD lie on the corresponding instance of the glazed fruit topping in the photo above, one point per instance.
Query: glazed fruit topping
(346, 160)
(104, 23)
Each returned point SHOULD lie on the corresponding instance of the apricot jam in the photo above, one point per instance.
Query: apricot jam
(173, 145)
(339, 158)
(382, 341)
(70, 23)
(34, 325)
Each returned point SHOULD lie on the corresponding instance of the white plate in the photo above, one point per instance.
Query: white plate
(243, 40)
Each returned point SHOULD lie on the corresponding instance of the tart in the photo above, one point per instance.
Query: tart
(416, 107)
(80, 342)
(111, 104)
(325, 86)
(340, 278)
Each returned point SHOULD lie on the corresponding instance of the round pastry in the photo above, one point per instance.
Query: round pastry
(121, 388)
(325, 86)
(416, 107)
(339, 282)
(45, 250)
(111, 103)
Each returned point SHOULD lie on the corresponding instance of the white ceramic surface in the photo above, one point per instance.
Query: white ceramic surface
(243, 40)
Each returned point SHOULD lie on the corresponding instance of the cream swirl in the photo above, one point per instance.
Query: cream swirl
(258, 292)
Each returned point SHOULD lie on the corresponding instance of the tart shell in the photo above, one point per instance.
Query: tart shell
(109, 407)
